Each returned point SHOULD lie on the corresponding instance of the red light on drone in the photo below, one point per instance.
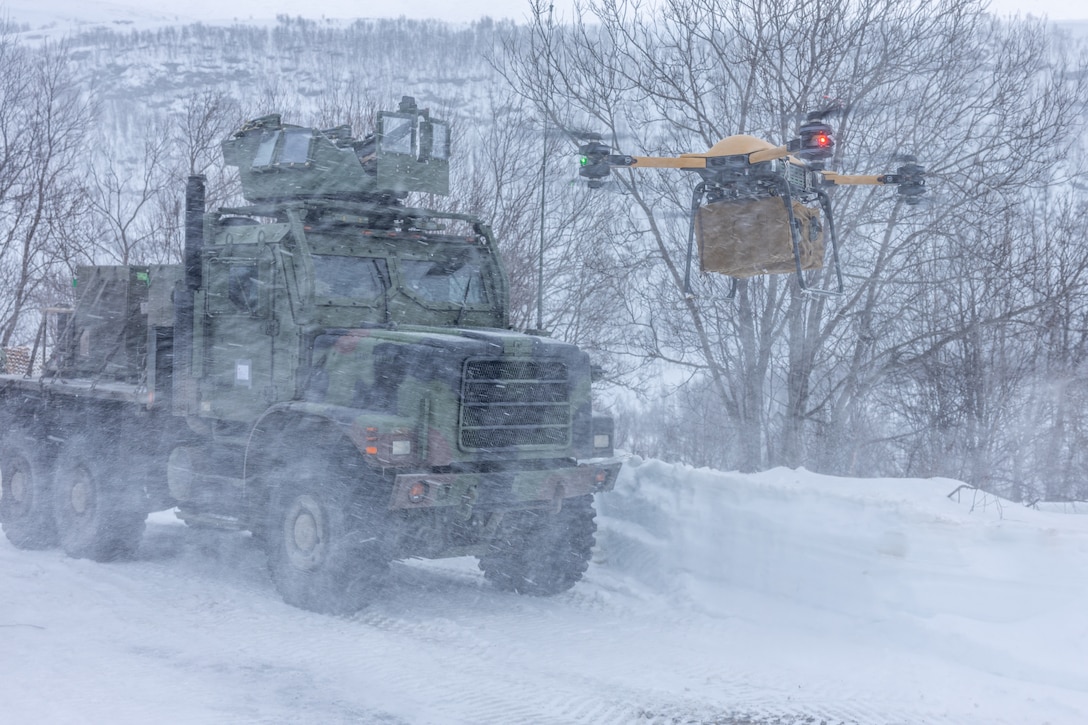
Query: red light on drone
(823, 140)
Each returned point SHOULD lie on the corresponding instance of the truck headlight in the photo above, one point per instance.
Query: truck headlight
(401, 447)
(417, 492)
(601, 440)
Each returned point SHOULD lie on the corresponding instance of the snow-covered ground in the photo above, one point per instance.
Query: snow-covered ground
(714, 598)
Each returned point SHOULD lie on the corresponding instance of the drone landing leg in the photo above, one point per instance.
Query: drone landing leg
(825, 204)
(795, 236)
(696, 200)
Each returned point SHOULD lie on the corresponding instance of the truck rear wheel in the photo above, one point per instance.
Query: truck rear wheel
(94, 519)
(542, 553)
(324, 538)
(26, 502)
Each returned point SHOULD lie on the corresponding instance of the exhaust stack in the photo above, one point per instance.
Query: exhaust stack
(194, 231)
(184, 391)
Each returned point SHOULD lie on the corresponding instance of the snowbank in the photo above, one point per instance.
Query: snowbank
(964, 586)
(784, 597)
(856, 546)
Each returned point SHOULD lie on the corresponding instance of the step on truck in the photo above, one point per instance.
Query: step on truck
(329, 369)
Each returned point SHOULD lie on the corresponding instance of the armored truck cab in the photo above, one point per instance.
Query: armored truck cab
(329, 369)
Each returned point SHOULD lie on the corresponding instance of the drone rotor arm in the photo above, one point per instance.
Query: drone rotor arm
(597, 162)
(834, 179)
(909, 178)
(686, 161)
(693, 161)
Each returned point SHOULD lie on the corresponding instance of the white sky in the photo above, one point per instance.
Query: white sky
(465, 10)
(1053, 9)
(42, 12)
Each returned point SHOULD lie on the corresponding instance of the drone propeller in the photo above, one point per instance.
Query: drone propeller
(831, 107)
(910, 177)
(827, 107)
(815, 142)
(576, 134)
(596, 160)
(580, 134)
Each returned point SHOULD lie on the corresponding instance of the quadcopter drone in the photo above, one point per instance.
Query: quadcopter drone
(757, 207)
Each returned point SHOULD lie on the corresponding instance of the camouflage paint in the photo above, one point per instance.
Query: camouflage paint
(327, 300)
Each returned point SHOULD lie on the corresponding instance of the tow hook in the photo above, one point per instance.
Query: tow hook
(557, 498)
(468, 500)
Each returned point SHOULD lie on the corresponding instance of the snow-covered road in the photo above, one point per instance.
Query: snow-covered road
(714, 598)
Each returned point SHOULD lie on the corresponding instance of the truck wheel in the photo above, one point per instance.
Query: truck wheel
(542, 553)
(325, 542)
(26, 502)
(94, 521)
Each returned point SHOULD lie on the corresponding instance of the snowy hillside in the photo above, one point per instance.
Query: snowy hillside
(714, 598)
(69, 14)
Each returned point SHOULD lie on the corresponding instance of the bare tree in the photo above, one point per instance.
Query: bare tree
(206, 118)
(123, 195)
(43, 132)
(796, 375)
(347, 100)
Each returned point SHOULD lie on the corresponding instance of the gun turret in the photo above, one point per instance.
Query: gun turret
(282, 162)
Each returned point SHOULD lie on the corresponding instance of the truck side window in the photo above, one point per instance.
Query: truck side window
(337, 277)
(455, 280)
(242, 288)
(234, 287)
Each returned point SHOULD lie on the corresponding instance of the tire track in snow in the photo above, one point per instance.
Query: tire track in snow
(502, 658)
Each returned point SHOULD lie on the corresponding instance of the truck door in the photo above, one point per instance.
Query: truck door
(238, 332)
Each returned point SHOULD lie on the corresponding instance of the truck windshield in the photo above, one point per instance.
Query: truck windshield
(449, 277)
(342, 277)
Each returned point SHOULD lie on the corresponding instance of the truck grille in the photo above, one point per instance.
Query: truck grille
(508, 403)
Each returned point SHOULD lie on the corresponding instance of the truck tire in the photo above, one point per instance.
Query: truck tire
(542, 553)
(325, 539)
(95, 519)
(26, 501)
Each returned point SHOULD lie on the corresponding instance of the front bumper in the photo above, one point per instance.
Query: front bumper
(503, 490)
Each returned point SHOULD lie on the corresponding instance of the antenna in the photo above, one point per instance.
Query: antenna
(543, 183)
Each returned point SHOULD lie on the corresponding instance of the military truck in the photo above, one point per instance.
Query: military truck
(329, 369)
